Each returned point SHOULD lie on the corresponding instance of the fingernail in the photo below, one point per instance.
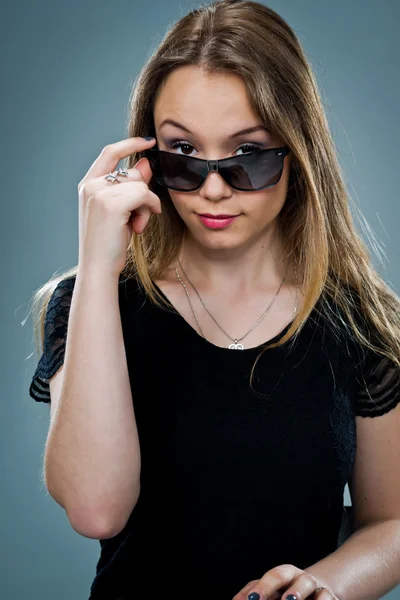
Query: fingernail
(148, 138)
(253, 596)
(291, 597)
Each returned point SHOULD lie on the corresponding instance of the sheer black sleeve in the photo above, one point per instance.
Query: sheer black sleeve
(55, 334)
(378, 387)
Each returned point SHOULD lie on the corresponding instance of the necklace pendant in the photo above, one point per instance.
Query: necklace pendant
(236, 346)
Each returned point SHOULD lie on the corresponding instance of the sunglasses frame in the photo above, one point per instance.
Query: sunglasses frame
(213, 165)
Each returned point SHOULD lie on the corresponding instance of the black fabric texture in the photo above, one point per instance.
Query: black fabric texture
(55, 335)
(234, 481)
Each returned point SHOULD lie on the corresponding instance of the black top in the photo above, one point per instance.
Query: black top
(233, 481)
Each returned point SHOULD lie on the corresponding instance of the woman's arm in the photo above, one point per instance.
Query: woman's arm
(92, 455)
(366, 566)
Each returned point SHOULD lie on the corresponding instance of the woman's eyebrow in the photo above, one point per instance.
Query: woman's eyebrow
(241, 132)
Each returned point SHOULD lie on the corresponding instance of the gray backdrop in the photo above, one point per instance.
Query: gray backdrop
(67, 68)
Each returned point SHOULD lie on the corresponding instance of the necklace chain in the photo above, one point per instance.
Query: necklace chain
(190, 303)
(236, 345)
(255, 324)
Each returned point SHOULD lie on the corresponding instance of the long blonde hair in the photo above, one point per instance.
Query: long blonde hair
(251, 40)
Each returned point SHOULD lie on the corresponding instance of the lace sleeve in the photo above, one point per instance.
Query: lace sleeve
(378, 387)
(55, 334)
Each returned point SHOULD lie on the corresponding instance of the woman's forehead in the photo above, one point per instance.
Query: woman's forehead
(192, 98)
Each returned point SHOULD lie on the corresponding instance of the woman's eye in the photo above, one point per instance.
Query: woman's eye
(250, 147)
(245, 147)
(180, 145)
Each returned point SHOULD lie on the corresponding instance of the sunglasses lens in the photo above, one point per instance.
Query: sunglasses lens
(256, 170)
(247, 172)
(175, 171)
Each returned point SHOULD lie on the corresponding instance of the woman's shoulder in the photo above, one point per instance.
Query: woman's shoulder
(131, 291)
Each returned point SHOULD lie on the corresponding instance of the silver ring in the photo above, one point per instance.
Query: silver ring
(113, 176)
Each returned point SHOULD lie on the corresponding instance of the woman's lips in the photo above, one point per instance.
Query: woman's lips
(217, 222)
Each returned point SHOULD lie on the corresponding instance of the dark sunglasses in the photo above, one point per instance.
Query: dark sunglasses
(255, 170)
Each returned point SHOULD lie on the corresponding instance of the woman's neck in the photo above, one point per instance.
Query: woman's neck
(245, 270)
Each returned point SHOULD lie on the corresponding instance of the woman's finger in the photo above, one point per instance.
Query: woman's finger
(140, 217)
(111, 154)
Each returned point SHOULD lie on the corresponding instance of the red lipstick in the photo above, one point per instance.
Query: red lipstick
(217, 221)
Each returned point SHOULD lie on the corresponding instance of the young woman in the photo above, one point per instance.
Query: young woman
(224, 358)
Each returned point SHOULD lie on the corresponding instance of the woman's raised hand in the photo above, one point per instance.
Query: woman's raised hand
(110, 212)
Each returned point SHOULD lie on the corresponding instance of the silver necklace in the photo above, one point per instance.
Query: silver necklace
(235, 345)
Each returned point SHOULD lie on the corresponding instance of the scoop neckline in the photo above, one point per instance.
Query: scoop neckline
(221, 349)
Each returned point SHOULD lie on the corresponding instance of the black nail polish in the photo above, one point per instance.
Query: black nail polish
(148, 138)
(291, 597)
(253, 596)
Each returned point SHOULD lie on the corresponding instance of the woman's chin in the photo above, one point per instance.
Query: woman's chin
(219, 240)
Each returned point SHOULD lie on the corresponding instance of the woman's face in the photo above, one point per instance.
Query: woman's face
(213, 108)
